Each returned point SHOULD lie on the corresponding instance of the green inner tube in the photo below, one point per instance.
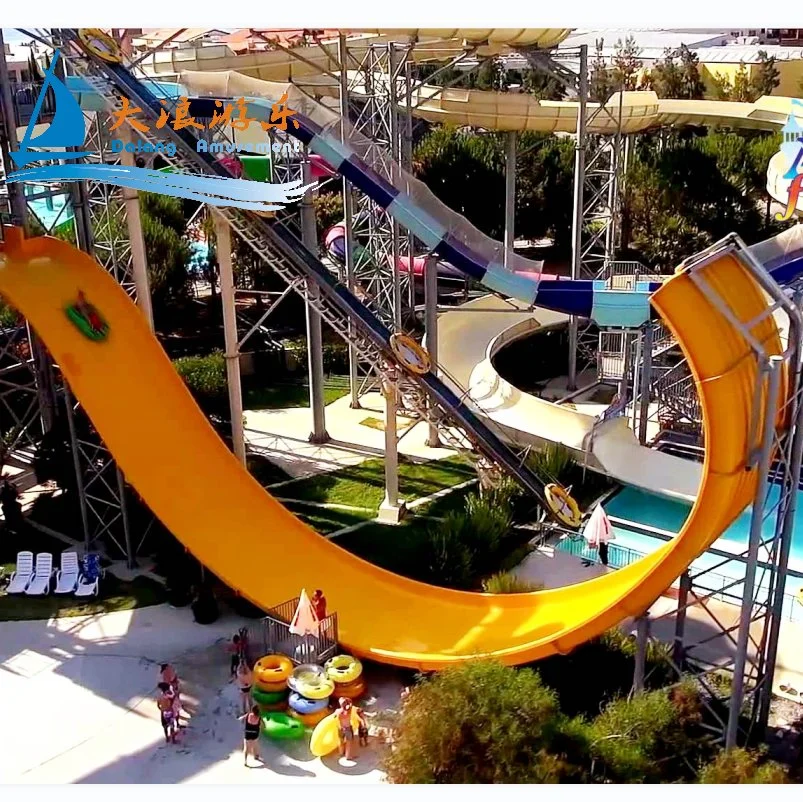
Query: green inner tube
(268, 697)
(282, 727)
(82, 324)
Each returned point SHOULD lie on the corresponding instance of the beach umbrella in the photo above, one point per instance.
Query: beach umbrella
(598, 529)
(305, 621)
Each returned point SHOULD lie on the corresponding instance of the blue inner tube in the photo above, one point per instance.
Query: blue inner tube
(303, 705)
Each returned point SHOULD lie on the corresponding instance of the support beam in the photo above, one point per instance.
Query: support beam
(577, 211)
(773, 378)
(139, 259)
(309, 237)
(646, 380)
(510, 197)
(787, 532)
(678, 648)
(642, 639)
(390, 511)
(431, 327)
(232, 351)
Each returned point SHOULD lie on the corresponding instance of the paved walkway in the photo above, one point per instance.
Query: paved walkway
(95, 679)
(282, 435)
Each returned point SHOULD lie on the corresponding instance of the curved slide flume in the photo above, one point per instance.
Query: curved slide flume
(172, 456)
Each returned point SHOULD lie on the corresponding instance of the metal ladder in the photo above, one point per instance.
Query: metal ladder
(348, 316)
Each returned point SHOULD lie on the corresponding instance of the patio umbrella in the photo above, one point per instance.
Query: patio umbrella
(305, 621)
(598, 529)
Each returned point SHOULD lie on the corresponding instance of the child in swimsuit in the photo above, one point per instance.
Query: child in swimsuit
(167, 712)
(362, 730)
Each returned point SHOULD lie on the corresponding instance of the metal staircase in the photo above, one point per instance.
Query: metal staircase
(432, 399)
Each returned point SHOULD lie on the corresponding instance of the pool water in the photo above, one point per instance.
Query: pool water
(658, 512)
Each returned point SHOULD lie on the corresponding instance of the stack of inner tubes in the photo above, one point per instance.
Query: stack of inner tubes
(310, 690)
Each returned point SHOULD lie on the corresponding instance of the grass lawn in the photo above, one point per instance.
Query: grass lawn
(364, 485)
(324, 520)
(283, 395)
(114, 595)
(396, 548)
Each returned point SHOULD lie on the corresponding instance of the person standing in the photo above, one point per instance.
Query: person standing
(167, 712)
(319, 604)
(245, 679)
(12, 509)
(345, 728)
(251, 735)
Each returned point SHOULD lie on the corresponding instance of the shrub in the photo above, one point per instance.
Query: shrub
(479, 722)
(650, 737)
(743, 766)
(508, 582)
(205, 376)
(463, 545)
(553, 463)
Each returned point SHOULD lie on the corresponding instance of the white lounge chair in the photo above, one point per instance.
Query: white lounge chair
(42, 575)
(67, 575)
(21, 578)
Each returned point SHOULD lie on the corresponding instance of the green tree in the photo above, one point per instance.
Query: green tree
(626, 63)
(167, 248)
(743, 766)
(766, 76)
(600, 82)
(743, 90)
(489, 77)
(543, 86)
(666, 76)
(479, 722)
(692, 86)
(721, 86)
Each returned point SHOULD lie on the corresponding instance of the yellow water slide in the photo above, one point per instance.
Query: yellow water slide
(188, 477)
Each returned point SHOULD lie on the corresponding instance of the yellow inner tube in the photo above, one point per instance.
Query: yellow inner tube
(314, 687)
(563, 505)
(272, 669)
(343, 668)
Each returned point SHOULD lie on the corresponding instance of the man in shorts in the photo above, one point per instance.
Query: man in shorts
(345, 729)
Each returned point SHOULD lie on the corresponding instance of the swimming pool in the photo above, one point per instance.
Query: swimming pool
(645, 509)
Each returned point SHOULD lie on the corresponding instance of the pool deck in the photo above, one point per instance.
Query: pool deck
(96, 676)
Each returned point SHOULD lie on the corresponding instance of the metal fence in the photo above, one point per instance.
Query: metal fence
(277, 638)
(723, 587)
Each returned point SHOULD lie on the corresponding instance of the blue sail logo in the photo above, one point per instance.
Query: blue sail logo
(67, 129)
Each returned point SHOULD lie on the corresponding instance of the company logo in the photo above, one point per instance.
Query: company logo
(787, 165)
(67, 130)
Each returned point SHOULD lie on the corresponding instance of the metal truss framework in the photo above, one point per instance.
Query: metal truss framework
(714, 642)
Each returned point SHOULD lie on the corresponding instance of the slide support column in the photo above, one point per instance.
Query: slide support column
(646, 379)
(309, 237)
(232, 353)
(510, 197)
(431, 326)
(139, 259)
(773, 378)
(642, 638)
(390, 511)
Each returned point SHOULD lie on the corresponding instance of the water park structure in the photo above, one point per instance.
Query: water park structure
(731, 311)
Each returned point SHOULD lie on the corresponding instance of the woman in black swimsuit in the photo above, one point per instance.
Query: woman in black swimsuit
(245, 679)
(251, 735)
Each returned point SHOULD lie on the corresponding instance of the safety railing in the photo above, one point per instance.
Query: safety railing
(277, 638)
(721, 587)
